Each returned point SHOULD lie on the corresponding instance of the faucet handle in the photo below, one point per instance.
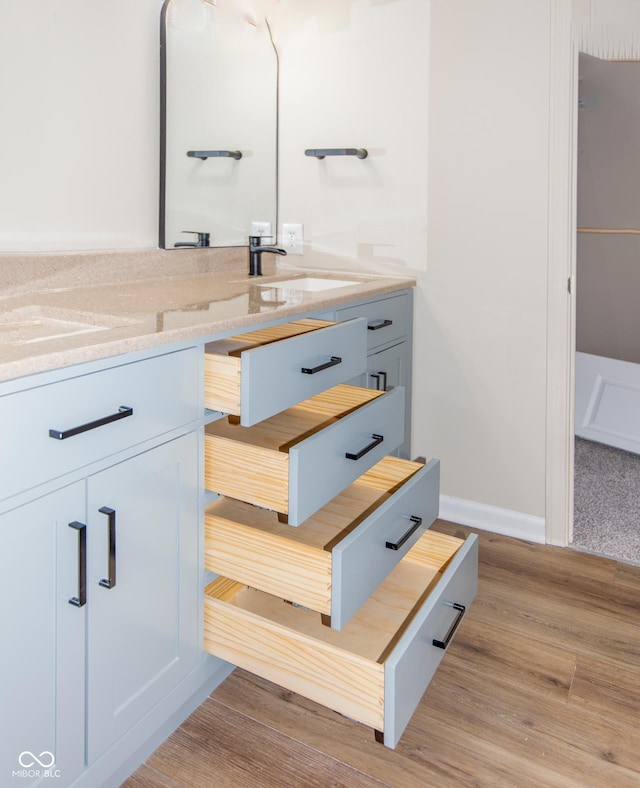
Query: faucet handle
(203, 238)
(256, 241)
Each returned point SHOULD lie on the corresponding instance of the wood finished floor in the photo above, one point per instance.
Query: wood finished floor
(540, 687)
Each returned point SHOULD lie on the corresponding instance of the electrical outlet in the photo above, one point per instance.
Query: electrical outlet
(261, 229)
(292, 238)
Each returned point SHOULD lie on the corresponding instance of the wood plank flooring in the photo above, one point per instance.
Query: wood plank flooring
(540, 687)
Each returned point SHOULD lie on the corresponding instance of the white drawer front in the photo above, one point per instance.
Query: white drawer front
(162, 393)
(362, 560)
(412, 664)
(319, 467)
(387, 319)
(281, 374)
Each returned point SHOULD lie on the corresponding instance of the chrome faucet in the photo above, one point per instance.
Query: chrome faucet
(255, 254)
(203, 240)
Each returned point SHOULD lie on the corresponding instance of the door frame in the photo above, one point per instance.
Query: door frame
(594, 32)
(561, 266)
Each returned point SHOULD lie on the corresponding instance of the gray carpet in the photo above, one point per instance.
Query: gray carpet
(606, 516)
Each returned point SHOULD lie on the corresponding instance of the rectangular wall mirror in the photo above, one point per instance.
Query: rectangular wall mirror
(219, 123)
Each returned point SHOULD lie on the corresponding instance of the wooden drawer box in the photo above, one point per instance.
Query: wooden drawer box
(388, 319)
(260, 373)
(295, 462)
(338, 556)
(376, 669)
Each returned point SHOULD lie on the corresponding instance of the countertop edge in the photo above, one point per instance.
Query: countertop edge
(12, 370)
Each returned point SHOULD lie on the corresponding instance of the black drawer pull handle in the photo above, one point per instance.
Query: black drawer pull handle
(109, 582)
(379, 376)
(447, 638)
(377, 439)
(123, 412)
(379, 324)
(312, 370)
(417, 522)
(81, 599)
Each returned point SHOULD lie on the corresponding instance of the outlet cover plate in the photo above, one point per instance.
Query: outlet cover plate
(262, 229)
(292, 238)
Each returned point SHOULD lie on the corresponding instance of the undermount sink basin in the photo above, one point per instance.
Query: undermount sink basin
(309, 284)
(30, 324)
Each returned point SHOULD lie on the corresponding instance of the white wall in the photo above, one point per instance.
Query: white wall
(467, 82)
(79, 97)
(481, 358)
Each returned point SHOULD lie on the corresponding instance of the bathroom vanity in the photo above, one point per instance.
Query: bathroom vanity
(231, 488)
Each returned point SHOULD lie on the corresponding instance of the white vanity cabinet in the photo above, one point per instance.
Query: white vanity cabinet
(102, 615)
(128, 640)
(105, 542)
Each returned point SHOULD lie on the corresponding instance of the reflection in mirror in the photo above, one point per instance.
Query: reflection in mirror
(218, 169)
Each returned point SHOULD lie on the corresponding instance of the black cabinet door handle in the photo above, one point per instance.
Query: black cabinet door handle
(447, 638)
(379, 376)
(81, 599)
(312, 370)
(110, 581)
(123, 412)
(377, 439)
(417, 522)
(376, 324)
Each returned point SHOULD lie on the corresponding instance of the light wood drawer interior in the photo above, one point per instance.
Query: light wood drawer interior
(252, 376)
(252, 464)
(342, 670)
(223, 361)
(250, 545)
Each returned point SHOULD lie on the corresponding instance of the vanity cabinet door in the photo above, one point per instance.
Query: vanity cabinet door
(388, 369)
(143, 617)
(43, 659)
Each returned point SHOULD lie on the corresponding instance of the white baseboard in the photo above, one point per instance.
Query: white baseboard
(492, 518)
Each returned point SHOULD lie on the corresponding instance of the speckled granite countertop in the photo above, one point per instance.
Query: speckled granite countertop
(60, 310)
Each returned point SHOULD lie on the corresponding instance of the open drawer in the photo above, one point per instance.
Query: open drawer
(295, 462)
(335, 560)
(376, 669)
(260, 373)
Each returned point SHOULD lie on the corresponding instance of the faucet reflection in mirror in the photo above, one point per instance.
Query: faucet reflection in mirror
(218, 168)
